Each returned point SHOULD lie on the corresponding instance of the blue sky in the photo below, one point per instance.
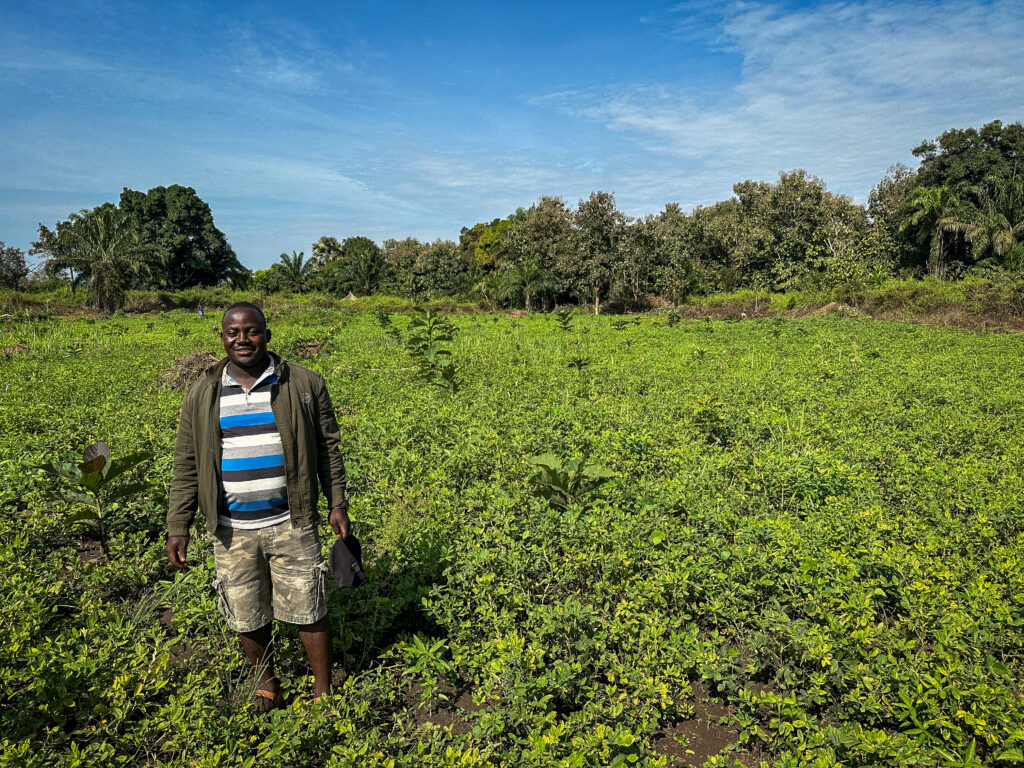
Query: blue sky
(296, 120)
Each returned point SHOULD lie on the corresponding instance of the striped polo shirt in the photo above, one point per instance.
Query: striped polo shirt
(252, 459)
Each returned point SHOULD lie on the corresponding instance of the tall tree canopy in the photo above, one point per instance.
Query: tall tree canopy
(185, 248)
(978, 157)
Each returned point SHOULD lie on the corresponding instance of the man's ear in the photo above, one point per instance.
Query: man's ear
(268, 334)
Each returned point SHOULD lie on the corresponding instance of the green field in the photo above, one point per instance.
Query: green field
(810, 552)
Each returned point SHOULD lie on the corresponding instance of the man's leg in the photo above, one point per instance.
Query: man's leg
(316, 637)
(258, 647)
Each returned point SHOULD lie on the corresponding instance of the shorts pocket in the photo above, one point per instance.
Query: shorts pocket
(322, 578)
(221, 588)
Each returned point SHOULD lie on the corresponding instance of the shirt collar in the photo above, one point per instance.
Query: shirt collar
(270, 370)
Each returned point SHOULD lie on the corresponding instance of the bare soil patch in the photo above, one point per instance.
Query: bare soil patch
(186, 370)
(10, 351)
(709, 732)
(309, 349)
(89, 551)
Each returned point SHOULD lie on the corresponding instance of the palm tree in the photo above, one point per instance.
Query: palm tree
(526, 280)
(991, 234)
(364, 267)
(326, 250)
(296, 271)
(998, 227)
(104, 244)
(489, 289)
(934, 212)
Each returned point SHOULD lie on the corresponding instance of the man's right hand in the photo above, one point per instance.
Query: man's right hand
(175, 549)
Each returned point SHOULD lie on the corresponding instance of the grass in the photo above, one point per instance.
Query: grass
(809, 552)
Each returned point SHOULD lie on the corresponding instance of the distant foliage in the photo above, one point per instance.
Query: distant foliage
(13, 269)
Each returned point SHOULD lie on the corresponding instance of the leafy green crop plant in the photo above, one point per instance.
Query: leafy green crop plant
(90, 483)
(429, 334)
(564, 317)
(571, 482)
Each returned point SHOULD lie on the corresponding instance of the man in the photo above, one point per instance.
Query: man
(257, 442)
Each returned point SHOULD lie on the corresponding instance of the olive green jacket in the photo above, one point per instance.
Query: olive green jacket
(309, 436)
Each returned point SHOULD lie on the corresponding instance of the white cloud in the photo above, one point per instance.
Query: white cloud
(843, 89)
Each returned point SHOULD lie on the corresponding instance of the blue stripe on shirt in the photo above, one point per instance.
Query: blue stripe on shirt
(252, 506)
(247, 419)
(254, 462)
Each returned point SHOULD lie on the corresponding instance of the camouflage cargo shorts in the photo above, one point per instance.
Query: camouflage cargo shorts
(273, 572)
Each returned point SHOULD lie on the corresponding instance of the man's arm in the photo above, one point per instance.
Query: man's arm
(184, 495)
(330, 464)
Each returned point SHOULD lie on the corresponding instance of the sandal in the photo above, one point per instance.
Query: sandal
(276, 702)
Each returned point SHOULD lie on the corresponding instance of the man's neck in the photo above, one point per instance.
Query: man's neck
(250, 372)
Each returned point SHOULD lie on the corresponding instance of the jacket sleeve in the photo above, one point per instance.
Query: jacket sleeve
(329, 462)
(184, 495)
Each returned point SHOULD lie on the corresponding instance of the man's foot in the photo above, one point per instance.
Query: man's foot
(319, 689)
(268, 696)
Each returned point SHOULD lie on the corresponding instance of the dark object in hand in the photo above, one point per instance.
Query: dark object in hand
(347, 563)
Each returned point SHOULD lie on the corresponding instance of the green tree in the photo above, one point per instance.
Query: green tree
(979, 158)
(326, 250)
(488, 289)
(364, 264)
(996, 230)
(483, 244)
(525, 282)
(711, 238)
(440, 270)
(640, 256)
(786, 226)
(544, 232)
(598, 226)
(675, 274)
(271, 280)
(183, 246)
(400, 260)
(102, 246)
(13, 268)
(934, 214)
(296, 272)
(887, 208)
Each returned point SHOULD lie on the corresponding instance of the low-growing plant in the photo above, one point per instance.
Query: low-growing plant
(564, 317)
(579, 362)
(708, 418)
(571, 482)
(90, 483)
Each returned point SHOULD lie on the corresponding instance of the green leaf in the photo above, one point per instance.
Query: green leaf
(91, 480)
(79, 496)
(61, 469)
(119, 466)
(81, 516)
(128, 490)
(1011, 755)
(598, 472)
(548, 460)
(657, 536)
(625, 739)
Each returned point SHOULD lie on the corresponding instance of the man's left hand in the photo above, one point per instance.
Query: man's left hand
(339, 522)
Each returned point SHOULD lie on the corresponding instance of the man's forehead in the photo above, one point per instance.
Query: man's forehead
(242, 316)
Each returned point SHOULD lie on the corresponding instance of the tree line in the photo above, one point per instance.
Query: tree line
(961, 212)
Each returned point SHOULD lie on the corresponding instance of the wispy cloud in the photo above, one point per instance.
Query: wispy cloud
(843, 89)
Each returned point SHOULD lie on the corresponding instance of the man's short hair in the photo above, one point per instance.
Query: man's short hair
(245, 305)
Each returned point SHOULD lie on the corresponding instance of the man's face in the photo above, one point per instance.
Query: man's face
(244, 337)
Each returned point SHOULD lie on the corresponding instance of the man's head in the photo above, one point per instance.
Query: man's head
(244, 333)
